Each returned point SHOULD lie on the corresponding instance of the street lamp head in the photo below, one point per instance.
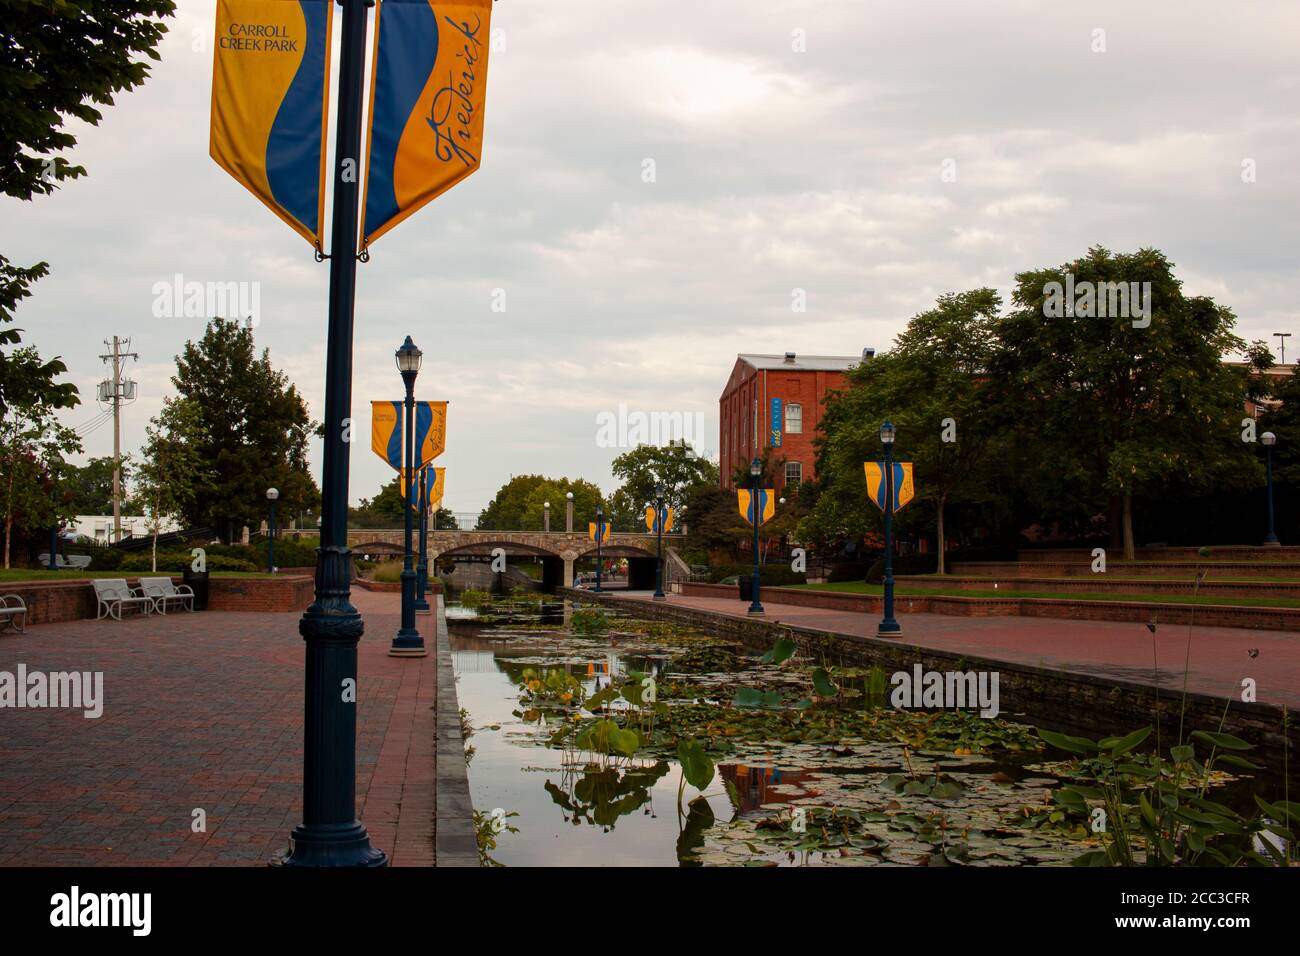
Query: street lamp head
(887, 433)
(409, 357)
(546, 504)
(659, 491)
(755, 468)
(568, 496)
(1268, 439)
(600, 511)
(780, 501)
(272, 494)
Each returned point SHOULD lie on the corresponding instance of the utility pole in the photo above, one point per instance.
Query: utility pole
(115, 390)
(1281, 341)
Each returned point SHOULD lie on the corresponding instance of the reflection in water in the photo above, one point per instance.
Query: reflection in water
(569, 814)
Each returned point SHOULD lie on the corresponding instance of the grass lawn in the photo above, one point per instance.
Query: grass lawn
(860, 587)
(27, 574)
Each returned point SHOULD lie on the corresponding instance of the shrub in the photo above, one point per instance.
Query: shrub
(175, 562)
(389, 572)
(769, 575)
(106, 559)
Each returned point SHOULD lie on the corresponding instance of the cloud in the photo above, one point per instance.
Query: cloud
(776, 171)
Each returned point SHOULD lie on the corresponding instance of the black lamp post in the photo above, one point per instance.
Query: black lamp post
(659, 543)
(888, 626)
(330, 833)
(422, 565)
(1269, 440)
(756, 513)
(600, 534)
(408, 642)
(272, 494)
(54, 524)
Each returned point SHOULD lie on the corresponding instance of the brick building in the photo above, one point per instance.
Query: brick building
(776, 401)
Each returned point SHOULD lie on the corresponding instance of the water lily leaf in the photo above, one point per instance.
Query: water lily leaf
(822, 683)
(781, 651)
(697, 767)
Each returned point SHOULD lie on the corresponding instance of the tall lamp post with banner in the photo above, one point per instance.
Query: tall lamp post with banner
(270, 111)
(408, 642)
(599, 532)
(756, 505)
(889, 484)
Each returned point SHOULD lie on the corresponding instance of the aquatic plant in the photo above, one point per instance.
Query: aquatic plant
(1155, 811)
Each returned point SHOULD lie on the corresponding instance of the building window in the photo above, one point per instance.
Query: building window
(793, 473)
(794, 419)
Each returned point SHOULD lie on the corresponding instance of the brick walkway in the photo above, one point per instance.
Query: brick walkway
(205, 711)
(1220, 656)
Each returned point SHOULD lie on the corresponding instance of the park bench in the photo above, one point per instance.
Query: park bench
(13, 612)
(114, 594)
(63, 562)
(164, 592)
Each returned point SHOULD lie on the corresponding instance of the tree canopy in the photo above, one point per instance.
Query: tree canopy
(253, 429)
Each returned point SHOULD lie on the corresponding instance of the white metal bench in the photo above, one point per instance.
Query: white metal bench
(13, 612)
(166, 593)
(114, 594)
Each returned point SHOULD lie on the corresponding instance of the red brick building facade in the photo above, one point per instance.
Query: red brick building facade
(775, 401)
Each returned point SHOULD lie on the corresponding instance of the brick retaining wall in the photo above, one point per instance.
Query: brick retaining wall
(1060, 700)
(50, 602)
(1140, 612)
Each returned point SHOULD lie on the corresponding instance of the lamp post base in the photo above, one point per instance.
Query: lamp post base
(1271, 542)
(889, 629)
(756, 610)
(326, 845)
(660, 597)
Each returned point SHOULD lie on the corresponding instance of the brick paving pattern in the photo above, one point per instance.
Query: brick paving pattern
(205, 711)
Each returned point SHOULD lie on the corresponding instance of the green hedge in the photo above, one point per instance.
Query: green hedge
(770, 575)
(174, 562)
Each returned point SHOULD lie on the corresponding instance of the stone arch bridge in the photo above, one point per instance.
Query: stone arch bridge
(558, 550)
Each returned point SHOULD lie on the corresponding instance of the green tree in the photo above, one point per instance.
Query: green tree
(33, 445)
(384, 510)
(90, 486)
(519, 504)
(675, 466)
(1118, 407)
(171, 470)
(933, 386)
(253, 430)
(59, 60)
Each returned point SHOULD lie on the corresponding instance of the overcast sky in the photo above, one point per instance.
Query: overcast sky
(775, 170)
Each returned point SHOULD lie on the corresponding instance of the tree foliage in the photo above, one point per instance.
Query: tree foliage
(253, 428)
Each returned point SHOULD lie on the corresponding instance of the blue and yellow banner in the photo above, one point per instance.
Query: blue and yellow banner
(599, 530)
(435, 479)
(427, 96)
(386, 431)
(904, 490)
(665, 518)
(433, 485)
(766, 504)
(776, 422)
(270, 92)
